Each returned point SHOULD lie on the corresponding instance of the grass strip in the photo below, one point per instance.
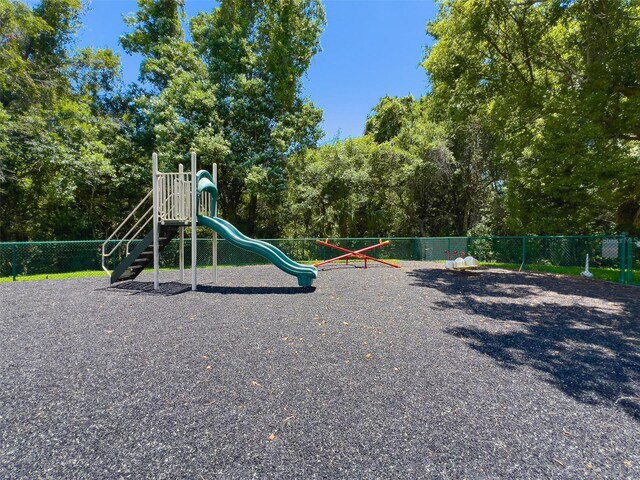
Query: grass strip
(609, 274)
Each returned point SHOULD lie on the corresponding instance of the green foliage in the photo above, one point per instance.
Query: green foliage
(532, 124)
(59, 131)
(95, 73)
(388, 117)
(412, 174)
(255, 55)
(557, 85)
(359, 188)
(233, 95)
(329, 185)
(70, 137)
(157, 34)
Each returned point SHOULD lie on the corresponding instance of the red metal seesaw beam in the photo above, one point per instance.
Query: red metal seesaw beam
(350, 253)
(355, 254)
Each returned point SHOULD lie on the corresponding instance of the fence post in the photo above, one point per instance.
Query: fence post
(14, 261)
(524, 252)
(630, 261)
(622, 254)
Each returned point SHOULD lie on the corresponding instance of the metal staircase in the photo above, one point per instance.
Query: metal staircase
(142, 255)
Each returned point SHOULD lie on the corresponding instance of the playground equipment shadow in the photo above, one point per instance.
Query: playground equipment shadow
(407, 373)
(176, 288)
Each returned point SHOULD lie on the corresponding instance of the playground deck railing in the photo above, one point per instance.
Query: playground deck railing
(611, 257)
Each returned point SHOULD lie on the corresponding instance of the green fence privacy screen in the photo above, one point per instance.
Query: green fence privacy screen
(614, 258)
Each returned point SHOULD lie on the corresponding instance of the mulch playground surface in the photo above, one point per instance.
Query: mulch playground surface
(379, 373)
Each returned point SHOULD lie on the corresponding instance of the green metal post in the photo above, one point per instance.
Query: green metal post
(524, 252)
(630, 261)
(14, 261)
(622, 242)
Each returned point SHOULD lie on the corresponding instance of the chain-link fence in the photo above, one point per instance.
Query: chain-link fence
(610, 257)
(49, 259)
(613, 258)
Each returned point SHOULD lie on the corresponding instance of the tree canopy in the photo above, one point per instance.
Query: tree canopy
(531, 124)
(60, 126)
(557, 84)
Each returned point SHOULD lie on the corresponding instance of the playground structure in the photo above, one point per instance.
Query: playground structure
(354, 254)
(462, 262)
(180, 200)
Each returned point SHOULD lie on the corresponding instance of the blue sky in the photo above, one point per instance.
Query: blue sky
(371, 48)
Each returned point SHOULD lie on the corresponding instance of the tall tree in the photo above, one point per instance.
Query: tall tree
(56, 132)
(256, 53)
(170, 68)
(157, 35)
(557, 81)
(233, 95)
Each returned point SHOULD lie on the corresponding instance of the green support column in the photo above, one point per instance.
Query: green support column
(524, 252)
(14, 261)
(630, 261)
(622, 254)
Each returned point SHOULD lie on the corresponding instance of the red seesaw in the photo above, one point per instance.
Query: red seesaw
(359, 254)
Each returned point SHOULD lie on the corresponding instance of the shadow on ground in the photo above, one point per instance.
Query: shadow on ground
(583, 336)
(256, 290)
(137, 288)
(341, 266)
(176, 288)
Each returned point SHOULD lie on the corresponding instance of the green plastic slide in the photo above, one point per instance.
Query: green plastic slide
(305, 273)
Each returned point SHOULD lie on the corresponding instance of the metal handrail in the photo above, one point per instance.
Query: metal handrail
(166, 208)
(149, 214)
(126, 235)
(106, 255)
